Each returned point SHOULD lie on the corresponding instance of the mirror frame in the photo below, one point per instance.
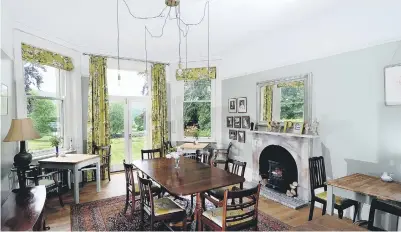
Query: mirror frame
(307, 78)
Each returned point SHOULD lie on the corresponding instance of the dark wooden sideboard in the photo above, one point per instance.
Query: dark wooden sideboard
(24, 210)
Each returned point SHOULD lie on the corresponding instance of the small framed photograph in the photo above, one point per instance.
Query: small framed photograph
(246, 122)
(242, 105)
(237, 122)
(232, 134)
(288, 127)
(241, 136)
(298, 128)
(4, 99)
(232, 105)
(230, 122)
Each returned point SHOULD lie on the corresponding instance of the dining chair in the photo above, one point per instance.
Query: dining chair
(232, 166)
(234, 216)
(221, 155)
(151, 153)
(390, 207)
(105, 153)
(166, 146)
(132, 189)
(317, 176)
(49, 180)
(161, 209)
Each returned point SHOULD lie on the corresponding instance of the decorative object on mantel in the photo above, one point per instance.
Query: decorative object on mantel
(252, 126)
(315, 127)
(232, 105)
(392, 85)
(386, 177)
(232, 134)
(307, 129)
(288, 127)
(256, 127)
(20, 131)
(237, 122)
(298, 128)
(241, 136)
(242, 105)
(246, 122)
(292, 192)
(275, 126)
(4, 99)
(55, 142)
(230, 122)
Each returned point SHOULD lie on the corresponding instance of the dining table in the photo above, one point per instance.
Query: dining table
(192, 177)
(362, 188)
(74, 162)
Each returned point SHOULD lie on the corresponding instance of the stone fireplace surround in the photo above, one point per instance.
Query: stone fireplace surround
(299, 146)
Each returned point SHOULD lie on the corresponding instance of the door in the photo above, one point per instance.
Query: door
(129, 129)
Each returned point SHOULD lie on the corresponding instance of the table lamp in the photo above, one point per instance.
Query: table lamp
(20, 131)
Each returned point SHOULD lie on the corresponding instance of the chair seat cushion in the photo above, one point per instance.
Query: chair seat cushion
(216, 216)
(165, 206)
(323, 196)
(219, 192)
(46, 182)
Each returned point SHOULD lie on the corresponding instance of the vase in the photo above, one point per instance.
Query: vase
(56, 151)
(177, 162)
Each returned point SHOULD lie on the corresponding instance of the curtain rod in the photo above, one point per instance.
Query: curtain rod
(126, 58)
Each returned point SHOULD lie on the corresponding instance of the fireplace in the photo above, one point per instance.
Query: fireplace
(278, 168)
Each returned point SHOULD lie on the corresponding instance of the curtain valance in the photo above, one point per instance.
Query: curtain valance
(294, 84)
(44, 57)
(193, 74)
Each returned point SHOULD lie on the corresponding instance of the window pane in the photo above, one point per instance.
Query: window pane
(132, 83)
(42, 80)
(45, 115)
(197, 90)
(197, 115)
(292, 103)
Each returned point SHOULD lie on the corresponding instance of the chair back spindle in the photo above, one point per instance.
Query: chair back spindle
(151, 154)
(317, 174)
(145, 186)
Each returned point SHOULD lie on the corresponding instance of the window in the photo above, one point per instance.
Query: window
(197, 108)
(291, 103)
(44, 89)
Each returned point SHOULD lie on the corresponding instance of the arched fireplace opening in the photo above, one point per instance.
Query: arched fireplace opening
(278, 168)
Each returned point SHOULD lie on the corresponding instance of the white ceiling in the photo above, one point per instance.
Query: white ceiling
(90, 25)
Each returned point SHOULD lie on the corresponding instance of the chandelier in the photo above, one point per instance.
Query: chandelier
(183, 30)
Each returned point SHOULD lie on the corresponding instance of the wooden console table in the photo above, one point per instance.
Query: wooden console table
(23, 209)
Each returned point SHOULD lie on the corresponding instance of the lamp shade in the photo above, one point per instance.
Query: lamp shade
(21, 130)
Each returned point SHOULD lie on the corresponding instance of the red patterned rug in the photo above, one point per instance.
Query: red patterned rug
(106, 215)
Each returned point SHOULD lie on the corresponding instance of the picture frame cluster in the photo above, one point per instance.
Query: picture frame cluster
(239, 105)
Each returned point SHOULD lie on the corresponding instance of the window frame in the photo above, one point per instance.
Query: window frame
(212, 113)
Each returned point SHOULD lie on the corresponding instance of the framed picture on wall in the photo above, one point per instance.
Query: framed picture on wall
(232, 105)
(237, 122)
(230, 122)
(242, 105)
(232, 134)
(241, 136)
(4, 99)
(246, 122)
(392, 85)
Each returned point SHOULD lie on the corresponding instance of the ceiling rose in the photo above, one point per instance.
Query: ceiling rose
(172, 3)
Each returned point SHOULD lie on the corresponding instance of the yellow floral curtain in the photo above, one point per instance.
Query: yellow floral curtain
(193, 74)
(44, 57)
(294, 84)
(268, 103)
(98, 106)
(159, 106)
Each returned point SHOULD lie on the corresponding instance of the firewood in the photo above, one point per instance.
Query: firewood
(289, 193)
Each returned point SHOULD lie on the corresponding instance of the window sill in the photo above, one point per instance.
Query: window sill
(50, 153)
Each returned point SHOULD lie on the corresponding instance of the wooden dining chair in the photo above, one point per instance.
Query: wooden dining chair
(317, 176)
(162, 209)
(105, 153)
(132, 189)
(232, 166)
(221, 155)
(390, 207)
(238, 216)
(151, 154)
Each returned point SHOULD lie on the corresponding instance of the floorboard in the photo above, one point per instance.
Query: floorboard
(58, 218)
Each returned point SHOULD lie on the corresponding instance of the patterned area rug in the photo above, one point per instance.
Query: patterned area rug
(106, 215)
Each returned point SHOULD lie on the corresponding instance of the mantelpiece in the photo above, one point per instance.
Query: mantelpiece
(285, 134)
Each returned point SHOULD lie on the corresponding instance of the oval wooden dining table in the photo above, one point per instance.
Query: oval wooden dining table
(191, 177)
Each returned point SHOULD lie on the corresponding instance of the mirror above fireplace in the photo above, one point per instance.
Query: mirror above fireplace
(285, 99)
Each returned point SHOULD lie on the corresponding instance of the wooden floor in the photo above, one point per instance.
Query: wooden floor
(59, 218)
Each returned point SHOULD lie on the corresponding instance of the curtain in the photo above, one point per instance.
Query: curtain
(193, 74)
(268, 103)
(98, 106)
(159, 106)
(294, 84)
(44, 57)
